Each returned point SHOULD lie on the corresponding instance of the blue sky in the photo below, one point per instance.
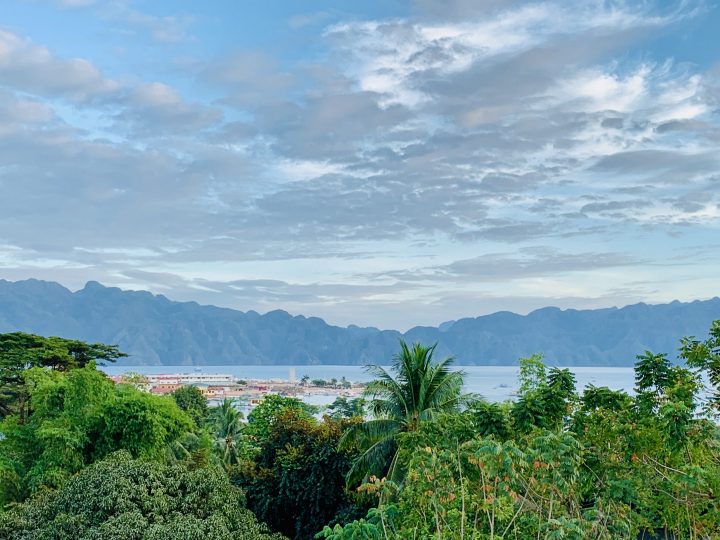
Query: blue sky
(386, 163)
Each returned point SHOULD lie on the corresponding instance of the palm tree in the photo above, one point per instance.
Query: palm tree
(226, 423)
(418, 391)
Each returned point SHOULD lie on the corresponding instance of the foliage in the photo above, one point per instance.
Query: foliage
(652, 377)
(491, 419)
(532, 373)
(191, 400)
(343, 407)
(437, 464)
(296, 483)
(20, 351)
(80, 416)
(546, 402)
(262, 417)
(141, 423)
(123, 499)
(705, 357)
(419, 390)
(602, 465)
(226, 425)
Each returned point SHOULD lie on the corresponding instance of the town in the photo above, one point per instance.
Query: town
(249, 392)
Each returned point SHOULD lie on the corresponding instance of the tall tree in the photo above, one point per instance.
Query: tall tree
(415, 391)
(226, 425)
(20, 351)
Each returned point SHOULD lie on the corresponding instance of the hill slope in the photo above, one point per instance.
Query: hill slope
(155, 330)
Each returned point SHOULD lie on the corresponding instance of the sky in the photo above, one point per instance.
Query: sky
(386, 163)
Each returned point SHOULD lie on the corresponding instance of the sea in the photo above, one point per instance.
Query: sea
(493, 383)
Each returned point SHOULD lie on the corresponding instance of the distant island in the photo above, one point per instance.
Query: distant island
(157, 331)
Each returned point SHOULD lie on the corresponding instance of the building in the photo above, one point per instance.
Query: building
(165, 388)
(191, 378)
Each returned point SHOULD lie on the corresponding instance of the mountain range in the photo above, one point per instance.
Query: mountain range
(157, 331)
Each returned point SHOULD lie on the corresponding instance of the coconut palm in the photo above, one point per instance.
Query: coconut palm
(415, 392)
(226, 423)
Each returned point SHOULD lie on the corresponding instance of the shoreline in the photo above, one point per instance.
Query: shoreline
(218, 386)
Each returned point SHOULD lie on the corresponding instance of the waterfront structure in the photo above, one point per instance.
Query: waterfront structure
(191, 378)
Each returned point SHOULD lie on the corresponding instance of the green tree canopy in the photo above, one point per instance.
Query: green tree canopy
(297, 481)
(123, 499)
(265, 414)
(80, 416)
(191, 400)
(20, 351)
(343, 407)
(705, 357)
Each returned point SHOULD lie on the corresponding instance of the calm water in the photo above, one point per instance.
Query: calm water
(494, 383)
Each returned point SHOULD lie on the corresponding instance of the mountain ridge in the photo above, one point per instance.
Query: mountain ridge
(155, 330)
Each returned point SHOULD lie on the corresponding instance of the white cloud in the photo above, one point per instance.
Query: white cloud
(156, 95)
(34, 69)
(391, 54)
(21, 110)
(595, 91)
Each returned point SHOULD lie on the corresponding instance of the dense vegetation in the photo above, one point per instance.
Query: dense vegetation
(123, 499)
(82, 458)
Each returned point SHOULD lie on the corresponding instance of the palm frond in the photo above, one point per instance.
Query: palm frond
(373, 461)
(366, 434)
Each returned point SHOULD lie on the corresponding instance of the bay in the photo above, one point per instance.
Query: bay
(494, 383)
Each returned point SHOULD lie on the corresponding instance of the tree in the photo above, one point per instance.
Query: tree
(143, 424)
(120, 498)
(419, 390)
(50, 445)
(343, 407)
(532, 373)
(20, 351)
(546, 401)
(80, 416)
(262, 417)
(491, 419)
(602, 397)
(458, 488)
(191, 400)
(296, 483)
(705, 357)
(652, 377)
(226, 425)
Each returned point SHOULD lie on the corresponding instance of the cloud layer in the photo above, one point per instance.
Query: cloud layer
(398, 171)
